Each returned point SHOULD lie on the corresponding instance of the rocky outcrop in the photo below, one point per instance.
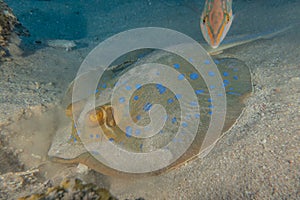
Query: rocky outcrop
(10, 30)
(73, 189)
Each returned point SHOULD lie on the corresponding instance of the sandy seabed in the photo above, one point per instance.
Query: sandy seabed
(259, 158)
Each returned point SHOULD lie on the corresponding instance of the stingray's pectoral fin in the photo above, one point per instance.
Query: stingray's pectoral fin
(71, 110)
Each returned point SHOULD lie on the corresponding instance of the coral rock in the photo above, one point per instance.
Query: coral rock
(10, 29)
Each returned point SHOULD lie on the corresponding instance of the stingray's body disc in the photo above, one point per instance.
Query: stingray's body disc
(237, 84)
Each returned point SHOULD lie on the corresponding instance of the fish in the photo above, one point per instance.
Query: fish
(216, 20)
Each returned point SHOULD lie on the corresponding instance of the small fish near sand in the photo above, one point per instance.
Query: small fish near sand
(68, 45)
(216, 20)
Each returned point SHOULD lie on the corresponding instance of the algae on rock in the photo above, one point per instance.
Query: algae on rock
(10, 30)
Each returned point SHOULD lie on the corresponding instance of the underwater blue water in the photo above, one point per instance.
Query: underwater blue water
(99, 19)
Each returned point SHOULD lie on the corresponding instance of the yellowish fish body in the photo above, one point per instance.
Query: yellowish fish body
(216, 20)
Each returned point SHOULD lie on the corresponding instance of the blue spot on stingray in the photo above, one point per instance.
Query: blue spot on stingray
(235, 69)
(138, 117)
(234, 93)
(226, 81)
(184, 124)
(194, 103)
(128, 87)
(111, 139)
(212, 87)
(97, 136)
(211, 73)
(217, 61)
(207, 62)
(170, 100)
(176, 66)
(136, 98)
(161, 88)
(225, 74)
(122, 100)
(209, 100)
(138, 86)
(137, 132)
(199, 91)
(147, 107)
(197, 115)
(194, 76)
(231, 88)
(128, 131)
(180, 77)
(235, 77)
(210, 112)
(178, 96)
(210, 106)
(174, 120)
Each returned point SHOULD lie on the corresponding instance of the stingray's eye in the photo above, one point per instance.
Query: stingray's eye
(110, 121)
(95, 117)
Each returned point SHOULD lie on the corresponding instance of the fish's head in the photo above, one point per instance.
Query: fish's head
(216, 20)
